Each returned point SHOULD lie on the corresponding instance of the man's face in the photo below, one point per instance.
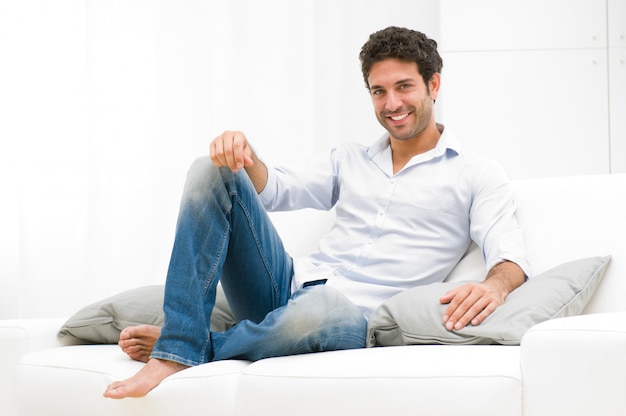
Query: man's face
(402, 101)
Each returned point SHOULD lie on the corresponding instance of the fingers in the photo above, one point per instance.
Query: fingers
(231, 149)
(478, 319)
(470, 303)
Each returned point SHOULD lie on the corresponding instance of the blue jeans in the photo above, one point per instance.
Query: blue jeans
(224, 235)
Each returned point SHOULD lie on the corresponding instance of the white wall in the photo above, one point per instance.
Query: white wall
(539, 85)
(43, 151)
(104, 104)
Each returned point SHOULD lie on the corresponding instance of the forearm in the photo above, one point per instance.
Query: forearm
(505, 277)
(257, 173)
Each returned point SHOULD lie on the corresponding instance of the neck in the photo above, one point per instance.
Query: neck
(403, 150)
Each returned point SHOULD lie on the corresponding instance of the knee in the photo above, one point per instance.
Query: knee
(327, 315)
(329, 304)
(203, 173)
(201, 168)
(203, 178)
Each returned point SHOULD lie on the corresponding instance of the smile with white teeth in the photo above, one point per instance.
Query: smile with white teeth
(399, 117)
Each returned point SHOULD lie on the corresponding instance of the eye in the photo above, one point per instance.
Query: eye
(405, 86)
(377, 92)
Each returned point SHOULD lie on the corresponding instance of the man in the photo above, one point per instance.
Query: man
(407, 208)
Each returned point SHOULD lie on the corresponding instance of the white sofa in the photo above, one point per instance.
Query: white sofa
(569, 366)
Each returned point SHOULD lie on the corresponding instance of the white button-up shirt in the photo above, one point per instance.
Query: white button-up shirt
(395, 231)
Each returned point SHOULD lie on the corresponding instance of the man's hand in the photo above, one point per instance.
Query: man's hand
(231, 149)
(473, 302)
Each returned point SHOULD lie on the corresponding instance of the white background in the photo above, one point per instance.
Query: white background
(104, 104)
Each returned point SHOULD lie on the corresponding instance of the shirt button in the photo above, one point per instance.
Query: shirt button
(381, 212)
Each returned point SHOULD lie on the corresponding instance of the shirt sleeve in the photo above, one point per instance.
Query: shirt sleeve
(493, 224)
(311, 184)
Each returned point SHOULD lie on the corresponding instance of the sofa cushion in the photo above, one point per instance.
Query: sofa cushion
(71, 380)
(483, 380)
(414, 316)
(101, 322)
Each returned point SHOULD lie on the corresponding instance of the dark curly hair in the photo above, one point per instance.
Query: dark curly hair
(404, 44)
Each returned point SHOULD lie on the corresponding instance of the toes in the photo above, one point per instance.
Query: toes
(115, 390)
(140, 332)
(126, 333)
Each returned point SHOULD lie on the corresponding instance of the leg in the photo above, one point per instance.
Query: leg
(138, 341)
(222, 231)
(317, 318)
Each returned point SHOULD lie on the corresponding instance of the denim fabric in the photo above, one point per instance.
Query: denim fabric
(224, 234)
(317, 318)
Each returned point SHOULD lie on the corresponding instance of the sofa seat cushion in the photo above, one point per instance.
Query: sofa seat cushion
(426, 379)
(71, 380)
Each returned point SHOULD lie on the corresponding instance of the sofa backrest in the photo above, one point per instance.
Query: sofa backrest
(563, 219)
(567, 218)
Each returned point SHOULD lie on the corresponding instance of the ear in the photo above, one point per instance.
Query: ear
(433, 85)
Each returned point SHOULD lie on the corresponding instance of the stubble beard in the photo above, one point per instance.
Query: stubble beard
(422, 116)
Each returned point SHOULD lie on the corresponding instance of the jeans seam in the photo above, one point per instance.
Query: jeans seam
(272, 278)
(213, 271)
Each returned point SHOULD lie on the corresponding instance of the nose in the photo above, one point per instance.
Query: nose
(393, 101)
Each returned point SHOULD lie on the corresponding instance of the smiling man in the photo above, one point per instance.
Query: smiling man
(408, 206)
(404, 102)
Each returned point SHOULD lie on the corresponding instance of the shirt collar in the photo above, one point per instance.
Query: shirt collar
(447, 141)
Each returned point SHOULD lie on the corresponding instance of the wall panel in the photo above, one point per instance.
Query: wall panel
(516, 25)
(617, 83)
(527, 83)
(520, 109)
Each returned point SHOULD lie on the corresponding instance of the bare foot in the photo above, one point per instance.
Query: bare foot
(137, 341)
(145, 380)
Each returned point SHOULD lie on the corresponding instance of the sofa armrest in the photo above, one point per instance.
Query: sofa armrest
(575, 366)
(19, 337)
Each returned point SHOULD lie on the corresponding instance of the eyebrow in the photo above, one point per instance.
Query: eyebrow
(400, 82)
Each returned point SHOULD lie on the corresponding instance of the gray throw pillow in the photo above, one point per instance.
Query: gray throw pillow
(414, 316)
(101, 322)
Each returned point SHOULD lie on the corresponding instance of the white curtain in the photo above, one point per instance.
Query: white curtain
(104, 104)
